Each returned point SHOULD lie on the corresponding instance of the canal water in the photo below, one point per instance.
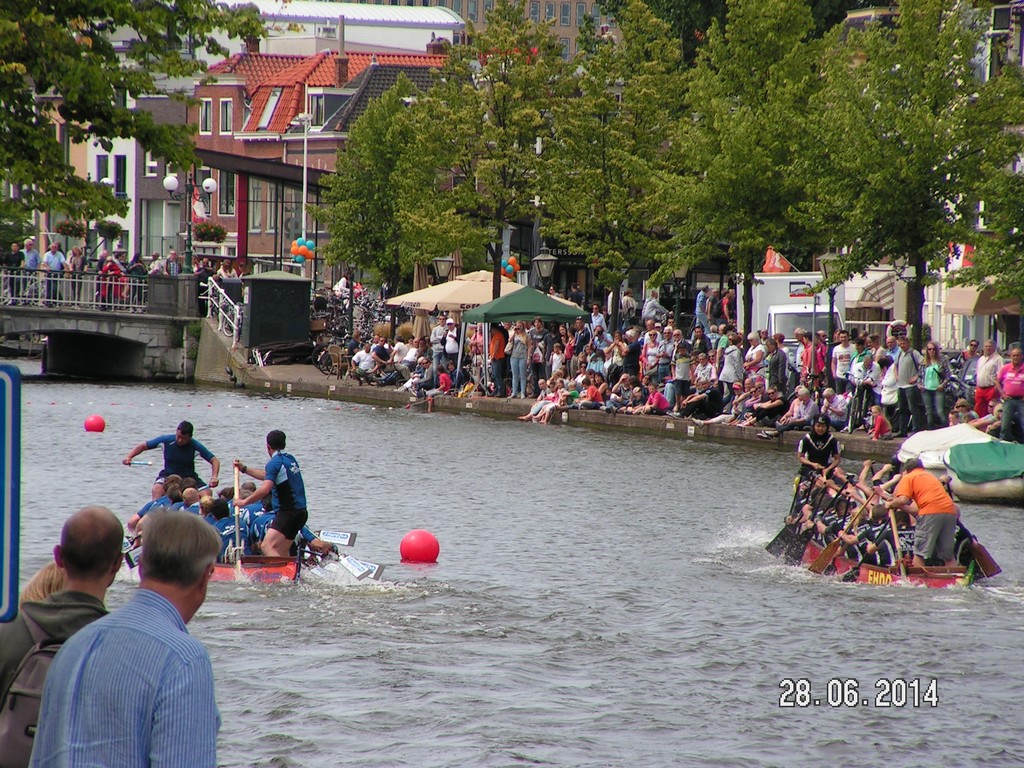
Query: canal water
(601, 599)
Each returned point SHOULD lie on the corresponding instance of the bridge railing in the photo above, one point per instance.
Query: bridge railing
(73, 290)
(225, 311)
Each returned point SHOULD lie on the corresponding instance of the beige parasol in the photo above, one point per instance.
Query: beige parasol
(463, 292)
(420, 321)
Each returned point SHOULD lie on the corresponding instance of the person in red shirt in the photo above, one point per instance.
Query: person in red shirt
(1010, 386)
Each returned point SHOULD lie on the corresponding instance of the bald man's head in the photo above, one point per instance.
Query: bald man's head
(90, 542)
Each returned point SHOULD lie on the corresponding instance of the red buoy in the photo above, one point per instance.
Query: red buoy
(95, 423)
(419, 546)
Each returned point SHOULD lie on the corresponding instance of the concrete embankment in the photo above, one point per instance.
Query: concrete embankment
(216, 358)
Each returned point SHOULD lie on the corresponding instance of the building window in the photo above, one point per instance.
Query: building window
(549, 11)
(581, 12)
(457, 6)
(226, 115)
(273, 212)
(268, 110)
(102, 167)
(255, 211)
(226, 194)
(472, 7)
(595, 11)
(121, 176)
(535, 12)
(246, 111)
(565, 14)
(565, 47)
(152, 165)
(316, 109)
(206, 116)
(488, 7)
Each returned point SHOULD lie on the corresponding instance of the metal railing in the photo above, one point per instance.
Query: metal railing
(73, 290)
(226, 312)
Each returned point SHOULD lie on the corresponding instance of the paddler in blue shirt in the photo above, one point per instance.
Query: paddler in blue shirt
(282, 479)
(179, 457)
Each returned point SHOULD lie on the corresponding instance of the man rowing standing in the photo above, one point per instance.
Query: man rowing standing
(179, 457)
(935, 532)
(283, 480)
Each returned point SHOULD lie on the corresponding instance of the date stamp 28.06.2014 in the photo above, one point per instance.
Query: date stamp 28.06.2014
(885, 693)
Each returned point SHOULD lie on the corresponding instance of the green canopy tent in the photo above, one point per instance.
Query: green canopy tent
(524, 304)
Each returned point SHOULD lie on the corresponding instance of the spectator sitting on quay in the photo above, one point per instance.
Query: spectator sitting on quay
(799, 416)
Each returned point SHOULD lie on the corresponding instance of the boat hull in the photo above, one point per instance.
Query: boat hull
(258, 568)
(938, 577)
(863, 573)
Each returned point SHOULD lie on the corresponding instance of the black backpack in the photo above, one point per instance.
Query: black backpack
(714, 308)
(19, 707)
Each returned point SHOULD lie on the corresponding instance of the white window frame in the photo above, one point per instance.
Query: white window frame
(226, 117)
(151, 165)
(206, 116)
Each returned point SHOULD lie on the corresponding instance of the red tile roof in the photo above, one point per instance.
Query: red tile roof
(316, 71)
(254, 67)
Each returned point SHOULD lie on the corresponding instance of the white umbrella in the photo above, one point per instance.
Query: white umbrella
(460, 293)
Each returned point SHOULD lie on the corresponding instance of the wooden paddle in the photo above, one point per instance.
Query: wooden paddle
(896, 541)
(238, 527)
(824, 560)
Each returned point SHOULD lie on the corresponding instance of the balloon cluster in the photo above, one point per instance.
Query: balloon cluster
(302, 249)
(510, 266)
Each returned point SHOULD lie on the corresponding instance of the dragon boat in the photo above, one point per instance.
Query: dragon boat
(932, 576)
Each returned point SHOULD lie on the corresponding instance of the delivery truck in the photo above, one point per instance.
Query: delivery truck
(785, 301)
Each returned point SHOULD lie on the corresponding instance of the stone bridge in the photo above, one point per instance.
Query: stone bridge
(135, 330)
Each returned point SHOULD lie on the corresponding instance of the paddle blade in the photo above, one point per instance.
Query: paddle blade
(777, 546)
(989, 567)
(341, 538)
(824, 560)
(357, 568)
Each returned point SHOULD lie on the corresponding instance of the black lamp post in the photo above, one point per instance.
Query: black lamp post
(828, 270)
(545, 264)
(209, 186)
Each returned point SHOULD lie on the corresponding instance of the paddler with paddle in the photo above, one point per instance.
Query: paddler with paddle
(936, 513)
(818, 450)
(179, 457)
(282, 479)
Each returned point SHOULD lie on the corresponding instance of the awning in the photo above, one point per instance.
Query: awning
(971, 301)
(875, 289)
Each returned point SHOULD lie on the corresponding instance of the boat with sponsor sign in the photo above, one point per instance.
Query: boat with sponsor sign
(866, 573)
(259, 568)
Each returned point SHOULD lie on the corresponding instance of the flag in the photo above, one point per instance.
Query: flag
(775, 262)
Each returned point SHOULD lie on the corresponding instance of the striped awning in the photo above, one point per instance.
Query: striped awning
(970, 301)
(875, 289)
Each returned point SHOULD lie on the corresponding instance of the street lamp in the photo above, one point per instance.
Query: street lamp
(209, 186)
(443, 267)
(829, 270)
(545, 264)
(305, 119)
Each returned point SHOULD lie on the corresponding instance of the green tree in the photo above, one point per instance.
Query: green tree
(747, 103)
(479, 127)
(60, 62)
(607, 174)
(361, 206)
(910, 140)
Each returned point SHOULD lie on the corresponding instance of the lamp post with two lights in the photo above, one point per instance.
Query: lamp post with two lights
(209, 186)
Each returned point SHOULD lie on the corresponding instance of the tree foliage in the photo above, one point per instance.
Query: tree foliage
(362, 198)
(747, 104)
(910, 139)
(478, 128)
(70, 62)
(607, 181)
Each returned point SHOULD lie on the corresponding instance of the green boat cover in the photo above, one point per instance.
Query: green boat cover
(986, 462)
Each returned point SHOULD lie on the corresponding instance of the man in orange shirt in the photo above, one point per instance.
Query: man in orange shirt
(935, 532)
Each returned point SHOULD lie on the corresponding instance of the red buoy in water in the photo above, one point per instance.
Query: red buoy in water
(419, 546)
(95, 423)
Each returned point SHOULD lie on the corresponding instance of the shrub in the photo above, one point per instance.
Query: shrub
(209, 232)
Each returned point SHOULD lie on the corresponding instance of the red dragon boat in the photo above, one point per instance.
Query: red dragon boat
(863, 573)
(258, 568)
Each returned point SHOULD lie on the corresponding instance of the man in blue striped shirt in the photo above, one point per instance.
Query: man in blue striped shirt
(154, 705)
